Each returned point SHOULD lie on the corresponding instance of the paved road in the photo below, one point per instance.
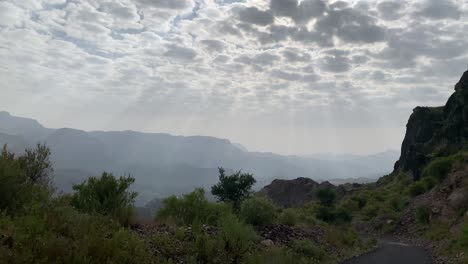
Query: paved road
(394, 253)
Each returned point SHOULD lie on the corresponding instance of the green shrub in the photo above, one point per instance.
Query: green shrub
(106, 195)
(371, 209)
(350, 204)
(437, 232)
(18, 188)
(326, 196)
(289, 217)
(326, 214)
(417, 188)
(191, 208)
(361, 199)
(423, 214)
(258, 211)
(462, 240)
(278, 255)
(342, 216)
(236, 238)
(308, 249)
(439, 168)
(59, 234)
(233, 188)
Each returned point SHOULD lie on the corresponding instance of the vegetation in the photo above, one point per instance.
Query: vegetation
(233, 188)
(191, 208)
(106, 195)
(258, 211)
(94, 224)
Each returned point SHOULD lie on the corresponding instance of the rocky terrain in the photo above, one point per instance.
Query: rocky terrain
(435, 131)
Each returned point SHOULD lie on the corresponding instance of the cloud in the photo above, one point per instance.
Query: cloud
(255, 16)
(168, 4)
(213, 45)
(351, 26)
(439, 9)
(179, 52)
(336, 64)
(391, 10)
(10, 15)
(295, 55)
(280, 60)
(300, 12)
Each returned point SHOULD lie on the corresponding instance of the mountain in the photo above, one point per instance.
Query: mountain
(435, 131)
(165, 164)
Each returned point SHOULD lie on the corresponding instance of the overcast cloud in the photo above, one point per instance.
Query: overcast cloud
(286, 76)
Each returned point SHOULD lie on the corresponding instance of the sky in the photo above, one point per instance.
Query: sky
(284, 76)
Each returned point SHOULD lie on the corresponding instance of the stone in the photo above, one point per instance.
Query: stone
(458, 199)
(268, 243)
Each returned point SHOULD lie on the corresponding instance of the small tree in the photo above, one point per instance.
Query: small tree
(106, 195)
(36, 164)
(326, 196)
(24, 179)
(233, 188)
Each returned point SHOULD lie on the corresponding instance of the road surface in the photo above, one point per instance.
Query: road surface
(394, 253)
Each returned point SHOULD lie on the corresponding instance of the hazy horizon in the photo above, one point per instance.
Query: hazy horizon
(281, 76)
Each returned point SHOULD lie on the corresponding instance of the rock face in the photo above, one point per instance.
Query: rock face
(435, 131)
(446, 202)
(294, 193)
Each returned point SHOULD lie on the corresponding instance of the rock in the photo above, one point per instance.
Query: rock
(435, 210)
(267, 243)
(435, 130)
(295, 193)
(458, 199)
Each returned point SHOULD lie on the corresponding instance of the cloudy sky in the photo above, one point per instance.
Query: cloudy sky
(285, 76)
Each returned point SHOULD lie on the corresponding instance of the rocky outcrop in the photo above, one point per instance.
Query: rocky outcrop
(435, 131)
(446, 202)
(295, 193)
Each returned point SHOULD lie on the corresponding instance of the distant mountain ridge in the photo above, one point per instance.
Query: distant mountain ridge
(164, 164)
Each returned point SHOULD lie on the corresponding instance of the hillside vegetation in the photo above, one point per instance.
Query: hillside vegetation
(96, 224)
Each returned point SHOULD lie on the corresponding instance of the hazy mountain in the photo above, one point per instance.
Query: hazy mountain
(164, 164)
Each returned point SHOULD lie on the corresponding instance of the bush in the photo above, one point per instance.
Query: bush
(326, 196)
(417, 188)
(439, 168)
(60, 234)
(371, 209)
(342, 216)
(233, 188)
(289, 217)
(308, 249)
(17, 189)
(325, 214)
(191, 208)
(37, 165)
(462, 239)
(236, 238)
(423, 214)
(106, 195)
(258, 211)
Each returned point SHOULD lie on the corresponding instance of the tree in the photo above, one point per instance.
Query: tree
(326, 196)
(233, 188)
(106, 195)
(18, 189)
(36, 164)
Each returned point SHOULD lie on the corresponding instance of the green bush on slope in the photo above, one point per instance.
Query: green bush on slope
(258, 211)
(106, 195)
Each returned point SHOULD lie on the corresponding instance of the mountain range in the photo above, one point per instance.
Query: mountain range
(164, 164)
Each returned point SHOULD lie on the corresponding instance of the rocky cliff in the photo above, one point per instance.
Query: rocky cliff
(435, 131)
(297, 192)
